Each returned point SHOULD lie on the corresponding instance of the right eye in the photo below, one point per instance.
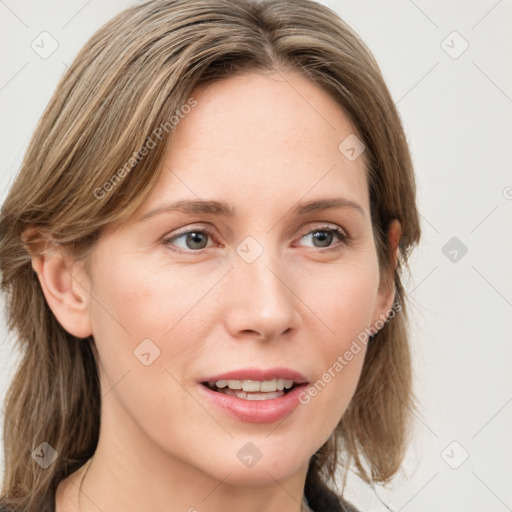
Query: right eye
(193, 240)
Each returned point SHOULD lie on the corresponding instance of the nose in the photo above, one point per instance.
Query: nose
(263, 304)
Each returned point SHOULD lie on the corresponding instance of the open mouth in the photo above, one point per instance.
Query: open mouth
(252, 389)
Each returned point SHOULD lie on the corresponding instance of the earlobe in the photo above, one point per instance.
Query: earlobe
(65, 287)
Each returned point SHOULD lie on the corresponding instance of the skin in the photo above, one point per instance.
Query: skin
(163, 446)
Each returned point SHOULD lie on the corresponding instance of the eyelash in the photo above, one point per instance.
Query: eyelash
(343, 236)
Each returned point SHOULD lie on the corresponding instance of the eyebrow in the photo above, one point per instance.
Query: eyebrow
(223, 209)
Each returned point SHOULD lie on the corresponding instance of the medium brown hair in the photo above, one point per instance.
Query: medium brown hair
(129, 79)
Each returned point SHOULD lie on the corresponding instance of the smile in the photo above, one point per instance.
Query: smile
(254, 395)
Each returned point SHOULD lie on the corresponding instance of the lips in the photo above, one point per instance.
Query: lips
(255, 395)
(257, 374)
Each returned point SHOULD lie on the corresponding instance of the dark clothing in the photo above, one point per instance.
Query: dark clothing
(322, 499)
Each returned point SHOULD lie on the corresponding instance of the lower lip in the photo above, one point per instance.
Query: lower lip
(256, 411)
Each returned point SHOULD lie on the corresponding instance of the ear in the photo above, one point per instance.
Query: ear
(386, 293)
(64, 282)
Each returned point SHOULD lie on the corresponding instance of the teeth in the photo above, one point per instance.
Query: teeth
(255, 386)
(251, 396)
(234, 384)
(268, 385)
(251, 385)
(264, 396)
(288, 383)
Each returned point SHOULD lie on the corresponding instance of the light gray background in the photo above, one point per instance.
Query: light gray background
(457, 113)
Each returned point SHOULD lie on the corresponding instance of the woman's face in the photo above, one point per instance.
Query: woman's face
(266, 289)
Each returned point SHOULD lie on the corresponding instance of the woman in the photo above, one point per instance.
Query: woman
(240, 373)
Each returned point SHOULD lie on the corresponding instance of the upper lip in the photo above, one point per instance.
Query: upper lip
(258, 374)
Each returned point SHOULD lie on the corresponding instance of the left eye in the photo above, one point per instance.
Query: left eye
(194, 240)
(325, 235)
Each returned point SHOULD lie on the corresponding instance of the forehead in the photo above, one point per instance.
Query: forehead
(259, 138)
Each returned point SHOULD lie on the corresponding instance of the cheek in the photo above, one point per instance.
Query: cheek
(139, 311)
(343, 297)
(135, 302)
(344, 301)
(124, 314)
(141, 300)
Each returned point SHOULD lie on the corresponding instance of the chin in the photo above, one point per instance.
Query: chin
(249, 467)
